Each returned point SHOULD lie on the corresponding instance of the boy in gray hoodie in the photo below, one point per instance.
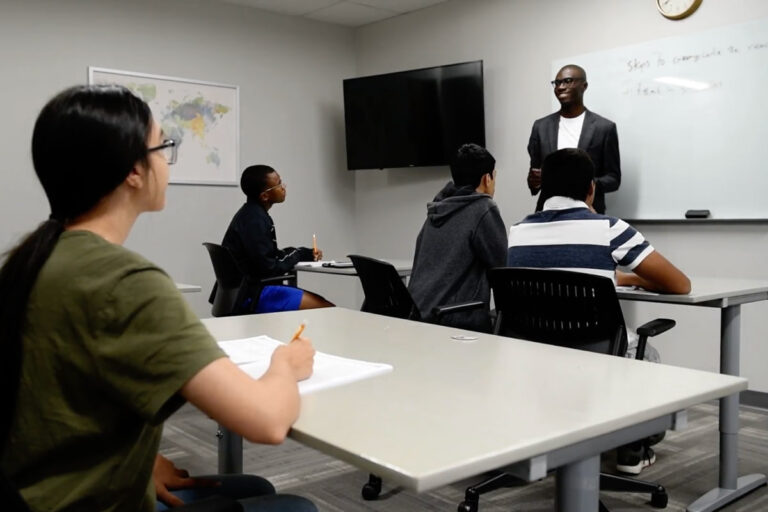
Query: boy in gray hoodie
(461, 239)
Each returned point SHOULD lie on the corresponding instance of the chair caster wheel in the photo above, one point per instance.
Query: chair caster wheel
(467, 507)
(659, 499)
(370, 492)
(372, 489)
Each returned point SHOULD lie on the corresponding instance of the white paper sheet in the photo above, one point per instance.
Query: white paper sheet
(312, 263)
(253, 356)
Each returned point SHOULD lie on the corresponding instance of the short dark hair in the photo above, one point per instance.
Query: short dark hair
(253, 181)
(470, 164)
(576, 67)
(567, 172)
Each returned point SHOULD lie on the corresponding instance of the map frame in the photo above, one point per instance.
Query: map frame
(191, 171)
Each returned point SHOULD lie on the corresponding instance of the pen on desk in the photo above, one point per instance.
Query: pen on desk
(299, 331)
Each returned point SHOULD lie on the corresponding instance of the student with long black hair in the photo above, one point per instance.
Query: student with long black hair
(99, 347)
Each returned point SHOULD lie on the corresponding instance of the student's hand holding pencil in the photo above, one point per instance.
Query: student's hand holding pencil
(316, 253)
(298, 354)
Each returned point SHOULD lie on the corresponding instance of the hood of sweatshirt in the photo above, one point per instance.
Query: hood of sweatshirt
(449, 201)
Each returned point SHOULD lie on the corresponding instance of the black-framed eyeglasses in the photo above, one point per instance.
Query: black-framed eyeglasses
(280, 184)
(170, 149)
(567, 81)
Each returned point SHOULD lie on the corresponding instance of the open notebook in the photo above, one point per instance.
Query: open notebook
(252, 355)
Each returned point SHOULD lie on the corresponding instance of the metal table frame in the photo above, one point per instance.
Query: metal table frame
(728, 296)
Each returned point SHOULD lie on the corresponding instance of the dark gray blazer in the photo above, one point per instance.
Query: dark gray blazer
(598, 138)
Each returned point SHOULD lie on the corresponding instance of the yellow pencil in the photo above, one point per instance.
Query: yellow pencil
(298, 331)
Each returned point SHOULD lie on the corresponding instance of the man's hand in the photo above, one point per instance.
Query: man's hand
(534, 179)
(318, 254)
(168, 477)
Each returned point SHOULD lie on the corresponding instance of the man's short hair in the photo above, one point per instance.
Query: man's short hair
(253, 181)
(567, 172)
(577, 68)
(470, 164)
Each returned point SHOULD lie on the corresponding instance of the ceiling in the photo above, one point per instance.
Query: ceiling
(351, 13)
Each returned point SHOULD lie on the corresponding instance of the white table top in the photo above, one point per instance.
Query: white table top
(403, 268)
(452, 409)
(188, 288)
(707, 291)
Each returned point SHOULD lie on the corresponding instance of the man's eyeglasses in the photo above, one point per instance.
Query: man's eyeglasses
(567, 81)
(280, 184)
(170, 149)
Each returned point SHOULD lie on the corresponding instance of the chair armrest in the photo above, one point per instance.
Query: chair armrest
(440, 311)
(655, 327)
(290, 277)
(652, 328)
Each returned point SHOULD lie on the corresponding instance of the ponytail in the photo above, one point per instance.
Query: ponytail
(17, 277)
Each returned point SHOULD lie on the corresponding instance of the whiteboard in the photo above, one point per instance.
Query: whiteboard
(692, 117)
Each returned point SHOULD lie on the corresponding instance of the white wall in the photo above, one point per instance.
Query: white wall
(518, 40)
(290, 72)
(291, 113)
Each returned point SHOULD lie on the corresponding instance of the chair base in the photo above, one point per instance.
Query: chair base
(372, 489)
(617, 483)
(608, 482)
(471, 501)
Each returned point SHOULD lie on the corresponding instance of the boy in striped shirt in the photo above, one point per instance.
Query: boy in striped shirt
(568, 235)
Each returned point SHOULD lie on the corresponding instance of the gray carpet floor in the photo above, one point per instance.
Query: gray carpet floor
(686, 465)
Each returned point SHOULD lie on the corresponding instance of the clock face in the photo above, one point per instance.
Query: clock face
(677, 9)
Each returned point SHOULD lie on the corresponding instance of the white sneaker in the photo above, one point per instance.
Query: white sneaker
(634, 461)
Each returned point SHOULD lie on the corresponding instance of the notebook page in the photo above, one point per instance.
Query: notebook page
(253, 356)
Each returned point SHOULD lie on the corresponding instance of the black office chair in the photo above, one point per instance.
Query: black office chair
(10, 496)
(386, 294)
(12, 500)
(229, 296)
(229, 293)
(569, 309)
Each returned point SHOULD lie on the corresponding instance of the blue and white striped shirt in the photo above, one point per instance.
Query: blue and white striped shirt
(566, 235)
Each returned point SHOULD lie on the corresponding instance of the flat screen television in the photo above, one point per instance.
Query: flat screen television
(413, 118)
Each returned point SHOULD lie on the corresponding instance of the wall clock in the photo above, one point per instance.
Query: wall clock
(677, 9)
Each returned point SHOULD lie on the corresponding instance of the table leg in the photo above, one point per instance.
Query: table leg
(731, 486)
(578, 486)
(230, 452)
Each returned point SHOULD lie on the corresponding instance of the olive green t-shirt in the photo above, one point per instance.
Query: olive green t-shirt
(108, 343)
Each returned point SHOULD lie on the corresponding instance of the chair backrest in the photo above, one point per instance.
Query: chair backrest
(570, 309)
(230, 288)
(10, 496)
(385, 292)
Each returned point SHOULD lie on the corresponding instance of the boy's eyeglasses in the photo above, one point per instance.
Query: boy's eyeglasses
(281, 184)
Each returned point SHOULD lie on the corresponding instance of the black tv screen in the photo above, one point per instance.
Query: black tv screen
(413, 118)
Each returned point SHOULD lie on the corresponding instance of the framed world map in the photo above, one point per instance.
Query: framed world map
(202, 116)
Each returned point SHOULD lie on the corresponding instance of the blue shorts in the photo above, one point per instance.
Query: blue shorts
(279, 298)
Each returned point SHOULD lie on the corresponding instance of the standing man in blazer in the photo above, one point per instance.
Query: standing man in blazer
(575, 126)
